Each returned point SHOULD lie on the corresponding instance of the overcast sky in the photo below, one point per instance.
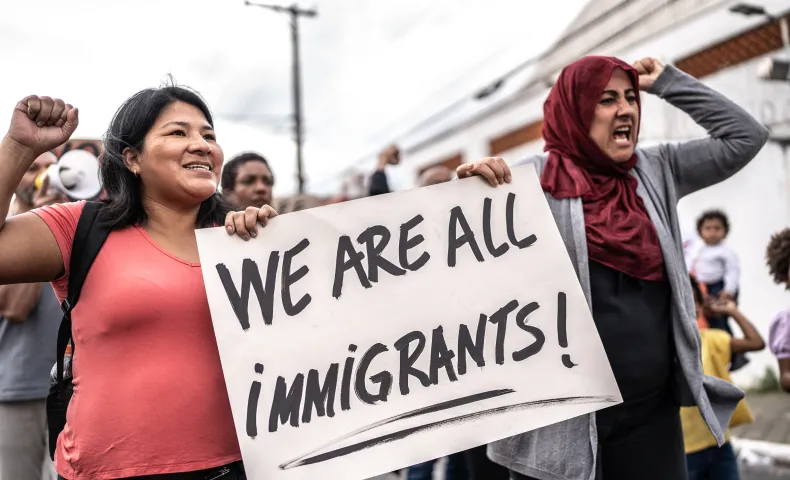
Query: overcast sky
(371, 68)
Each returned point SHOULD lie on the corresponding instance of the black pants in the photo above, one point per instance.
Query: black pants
(481, 468)
(639, 440)
(232, 471)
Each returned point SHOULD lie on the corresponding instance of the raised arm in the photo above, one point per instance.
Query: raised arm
(752, 341)
(732, 272)
(28, 249)
(378, 180)
(734, 136)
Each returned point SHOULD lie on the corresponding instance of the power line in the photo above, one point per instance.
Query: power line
(492, 87)
(399, 37)
(537, 80)
(294, 13)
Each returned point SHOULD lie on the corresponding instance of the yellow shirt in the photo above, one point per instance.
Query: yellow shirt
(716, 353)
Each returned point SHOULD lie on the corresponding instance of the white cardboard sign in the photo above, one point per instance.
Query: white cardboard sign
(367, 336)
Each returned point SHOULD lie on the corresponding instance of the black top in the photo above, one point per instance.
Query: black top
(634, 321)
(378, 183)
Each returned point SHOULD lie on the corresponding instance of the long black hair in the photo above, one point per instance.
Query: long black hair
(128, 128)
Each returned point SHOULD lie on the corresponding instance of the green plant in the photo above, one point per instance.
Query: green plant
(768, 382)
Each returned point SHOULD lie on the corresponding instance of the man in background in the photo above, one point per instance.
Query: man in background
(378, 180)
(29, 320)
(379, 183)
(247, 181)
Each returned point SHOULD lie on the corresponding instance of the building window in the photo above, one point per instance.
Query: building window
(452, 163)
(742, 48)
(515, 138)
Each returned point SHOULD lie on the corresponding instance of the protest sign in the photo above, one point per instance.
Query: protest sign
(367, 336)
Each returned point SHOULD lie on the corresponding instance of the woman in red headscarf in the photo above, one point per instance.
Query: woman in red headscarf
(615, 206)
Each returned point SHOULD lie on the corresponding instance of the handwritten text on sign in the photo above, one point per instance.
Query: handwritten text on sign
(364, 337)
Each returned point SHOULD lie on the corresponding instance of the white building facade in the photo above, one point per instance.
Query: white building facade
(704, 38)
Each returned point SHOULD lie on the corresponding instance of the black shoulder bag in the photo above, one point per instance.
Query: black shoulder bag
(88, 240)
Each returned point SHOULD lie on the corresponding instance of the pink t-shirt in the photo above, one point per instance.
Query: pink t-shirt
(149, 394)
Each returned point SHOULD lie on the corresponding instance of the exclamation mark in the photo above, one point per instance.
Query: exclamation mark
(562, 329)
(252, 404)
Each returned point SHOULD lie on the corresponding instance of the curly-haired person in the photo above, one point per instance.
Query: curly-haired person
(777, 256)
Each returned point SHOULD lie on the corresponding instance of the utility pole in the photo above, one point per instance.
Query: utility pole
(294, 12)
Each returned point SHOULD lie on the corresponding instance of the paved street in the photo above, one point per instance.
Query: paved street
(771, 425)
(771, 418)
(764, 473)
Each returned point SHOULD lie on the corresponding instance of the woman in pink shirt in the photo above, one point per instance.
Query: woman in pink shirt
(149, 395)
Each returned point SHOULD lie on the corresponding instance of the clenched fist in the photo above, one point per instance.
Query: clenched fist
(40, 124)
(648, 69)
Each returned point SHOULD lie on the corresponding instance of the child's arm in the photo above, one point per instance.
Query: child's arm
(732, 273)
(784, 373)
(779, 340)
(752, 341)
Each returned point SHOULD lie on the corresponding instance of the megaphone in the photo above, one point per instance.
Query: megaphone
(76, 175)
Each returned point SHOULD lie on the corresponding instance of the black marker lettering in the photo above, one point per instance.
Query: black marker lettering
(383, 379)
(375, 260)
(252, 404)
(494, 251)
(457, 218)
(441, 357)
(286, 406)
(407, 243)
(511, 232)
(345, 249)
(345, 388)
(500, 320)
(291, 278)
(467, 347)
(562, 328)
(323, 398)
(540, 338)
(250, 275)
(407, 361)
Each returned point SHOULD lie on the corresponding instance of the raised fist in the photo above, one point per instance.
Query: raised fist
(42, 123)
(649, 69)
(389, 156)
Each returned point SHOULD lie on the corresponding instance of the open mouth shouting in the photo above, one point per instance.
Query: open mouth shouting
(622, 136)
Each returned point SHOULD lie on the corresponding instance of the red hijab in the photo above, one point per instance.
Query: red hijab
(620, 234)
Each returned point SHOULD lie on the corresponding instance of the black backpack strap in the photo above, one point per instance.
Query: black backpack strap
(88, 240)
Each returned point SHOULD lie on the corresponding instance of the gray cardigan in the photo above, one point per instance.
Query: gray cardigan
(666, 173)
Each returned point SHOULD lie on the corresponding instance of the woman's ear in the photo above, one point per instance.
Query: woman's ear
(132, 160)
